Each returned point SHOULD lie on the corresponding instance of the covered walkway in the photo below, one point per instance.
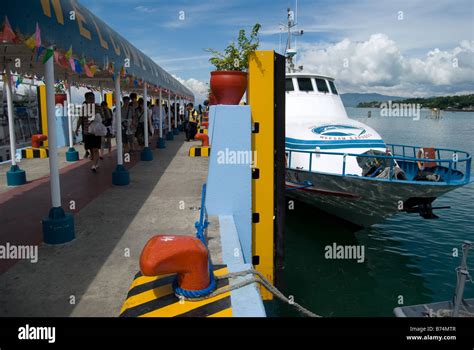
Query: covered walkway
(91, 275)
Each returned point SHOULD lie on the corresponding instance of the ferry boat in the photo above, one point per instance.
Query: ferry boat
(345, 168)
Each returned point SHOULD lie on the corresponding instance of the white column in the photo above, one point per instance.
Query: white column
(69, 113)
(160, 110)
(169, 111)
(145, 113)
(175, 111)
(52, 138)
(11, 118)
(118, 120)
(101, 91)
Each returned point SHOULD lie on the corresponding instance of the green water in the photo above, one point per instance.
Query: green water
(405, 256)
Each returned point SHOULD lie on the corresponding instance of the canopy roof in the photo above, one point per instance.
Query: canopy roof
(35, 28)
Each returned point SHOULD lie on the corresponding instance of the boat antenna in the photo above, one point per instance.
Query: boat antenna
(290, 52)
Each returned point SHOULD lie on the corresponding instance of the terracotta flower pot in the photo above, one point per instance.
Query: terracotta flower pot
(228, 87)
(60, 98)
(212, 99)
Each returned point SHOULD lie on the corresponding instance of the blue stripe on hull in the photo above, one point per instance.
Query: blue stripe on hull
(330, 142)
(334, 146)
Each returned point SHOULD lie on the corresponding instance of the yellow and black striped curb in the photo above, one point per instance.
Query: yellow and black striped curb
(29, 153)
(199, 151)
(202, 131)
(154, 297)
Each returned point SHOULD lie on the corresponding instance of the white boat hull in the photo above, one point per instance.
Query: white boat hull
(361, 201)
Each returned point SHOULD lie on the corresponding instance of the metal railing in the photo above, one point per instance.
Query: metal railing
(454, 161)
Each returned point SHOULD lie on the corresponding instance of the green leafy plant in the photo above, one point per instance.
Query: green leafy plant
(60, 88)
(236, 56)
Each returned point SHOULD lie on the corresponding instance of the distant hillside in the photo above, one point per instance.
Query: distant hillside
(353, 99)
(451, 103)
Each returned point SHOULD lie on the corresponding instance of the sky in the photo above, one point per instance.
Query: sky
(399, 47)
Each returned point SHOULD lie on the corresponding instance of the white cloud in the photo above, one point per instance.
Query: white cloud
(199, 88)
(377, 65)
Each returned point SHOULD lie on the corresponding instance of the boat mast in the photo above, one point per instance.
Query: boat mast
(290, 52)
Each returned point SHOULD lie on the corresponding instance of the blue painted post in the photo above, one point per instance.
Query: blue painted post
(15, 176)
(58, 226)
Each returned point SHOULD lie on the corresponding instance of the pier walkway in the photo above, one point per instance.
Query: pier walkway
(90, 276)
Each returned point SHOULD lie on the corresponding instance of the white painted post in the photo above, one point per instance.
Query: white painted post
(160, 106)
(176, 111)
(118, 120)
(69, 113)
(145, 113)
(52, 138)
(101, 91)
(11, 118)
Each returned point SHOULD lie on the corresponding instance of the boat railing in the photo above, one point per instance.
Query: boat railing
(455, 161)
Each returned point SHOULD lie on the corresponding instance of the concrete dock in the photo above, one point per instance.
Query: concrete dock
(91, 275)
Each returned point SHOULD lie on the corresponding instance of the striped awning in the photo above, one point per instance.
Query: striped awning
(99, 54)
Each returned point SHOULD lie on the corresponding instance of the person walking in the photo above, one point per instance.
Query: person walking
(107, 139)
(128, 125)
(92, 142)
(191, 129)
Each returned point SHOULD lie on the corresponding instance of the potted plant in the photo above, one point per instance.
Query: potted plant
(60, 93)
(229, 80)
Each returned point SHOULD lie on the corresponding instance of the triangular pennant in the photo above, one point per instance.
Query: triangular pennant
(49, 53)
(37, 35)
(39, 51)
(8, 34)
(72, 64)
(63, 62)
(69, 53)
(93, 69)
(31, 42)
(78, 66)
(87, 71)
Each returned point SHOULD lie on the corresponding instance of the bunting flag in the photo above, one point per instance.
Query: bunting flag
(72, 64)
(135, 83)
(8, 35)
(62, 61)
(18, 82)
(93, 69)
(110, 68)
(123, 72)
(31, 42)
(49, 53)
(38, 35)
(78, 68)
(68, 54)
(39, 51)
(86, 67)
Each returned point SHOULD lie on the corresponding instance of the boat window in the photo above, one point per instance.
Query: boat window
(322, 86)
(289, 85)
(333, 87)
(305, 84)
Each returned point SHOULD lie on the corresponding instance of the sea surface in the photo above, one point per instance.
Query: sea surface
(408, 259)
